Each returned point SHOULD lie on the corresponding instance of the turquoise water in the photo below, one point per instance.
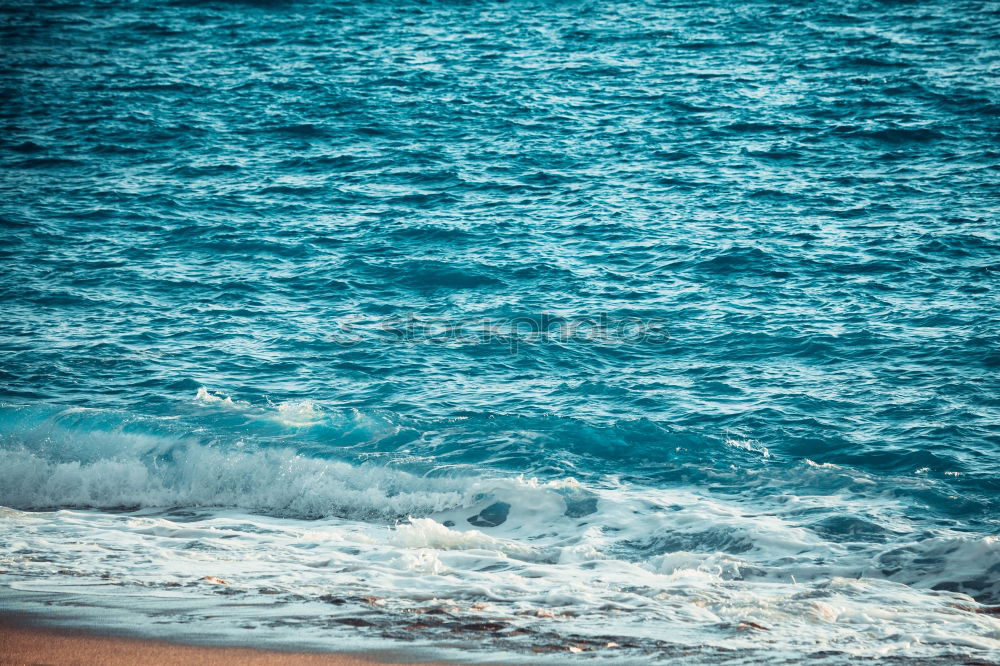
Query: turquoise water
(659, 325)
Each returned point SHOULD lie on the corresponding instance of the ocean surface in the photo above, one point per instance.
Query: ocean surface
(529, 332)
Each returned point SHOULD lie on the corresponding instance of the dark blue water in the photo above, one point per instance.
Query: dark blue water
(745, 250)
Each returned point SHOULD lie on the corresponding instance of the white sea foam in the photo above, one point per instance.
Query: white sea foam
(206, 397)
(562, 581)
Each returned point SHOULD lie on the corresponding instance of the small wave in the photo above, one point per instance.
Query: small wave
(433, 274)
(898, 135)
(276, 482)
(49, 163)
(304, 130)
(27, 148)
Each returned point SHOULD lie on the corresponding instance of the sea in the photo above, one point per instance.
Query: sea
(525, 331)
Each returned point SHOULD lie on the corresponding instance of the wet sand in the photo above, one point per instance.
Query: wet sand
(21, 644)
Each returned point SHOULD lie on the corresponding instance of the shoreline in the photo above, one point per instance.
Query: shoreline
(24, 642)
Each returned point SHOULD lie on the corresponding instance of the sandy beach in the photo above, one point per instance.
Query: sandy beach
(23, 645)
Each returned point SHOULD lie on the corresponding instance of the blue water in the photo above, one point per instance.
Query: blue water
(747, 253)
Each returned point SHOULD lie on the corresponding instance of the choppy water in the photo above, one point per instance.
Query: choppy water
(634, 330)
